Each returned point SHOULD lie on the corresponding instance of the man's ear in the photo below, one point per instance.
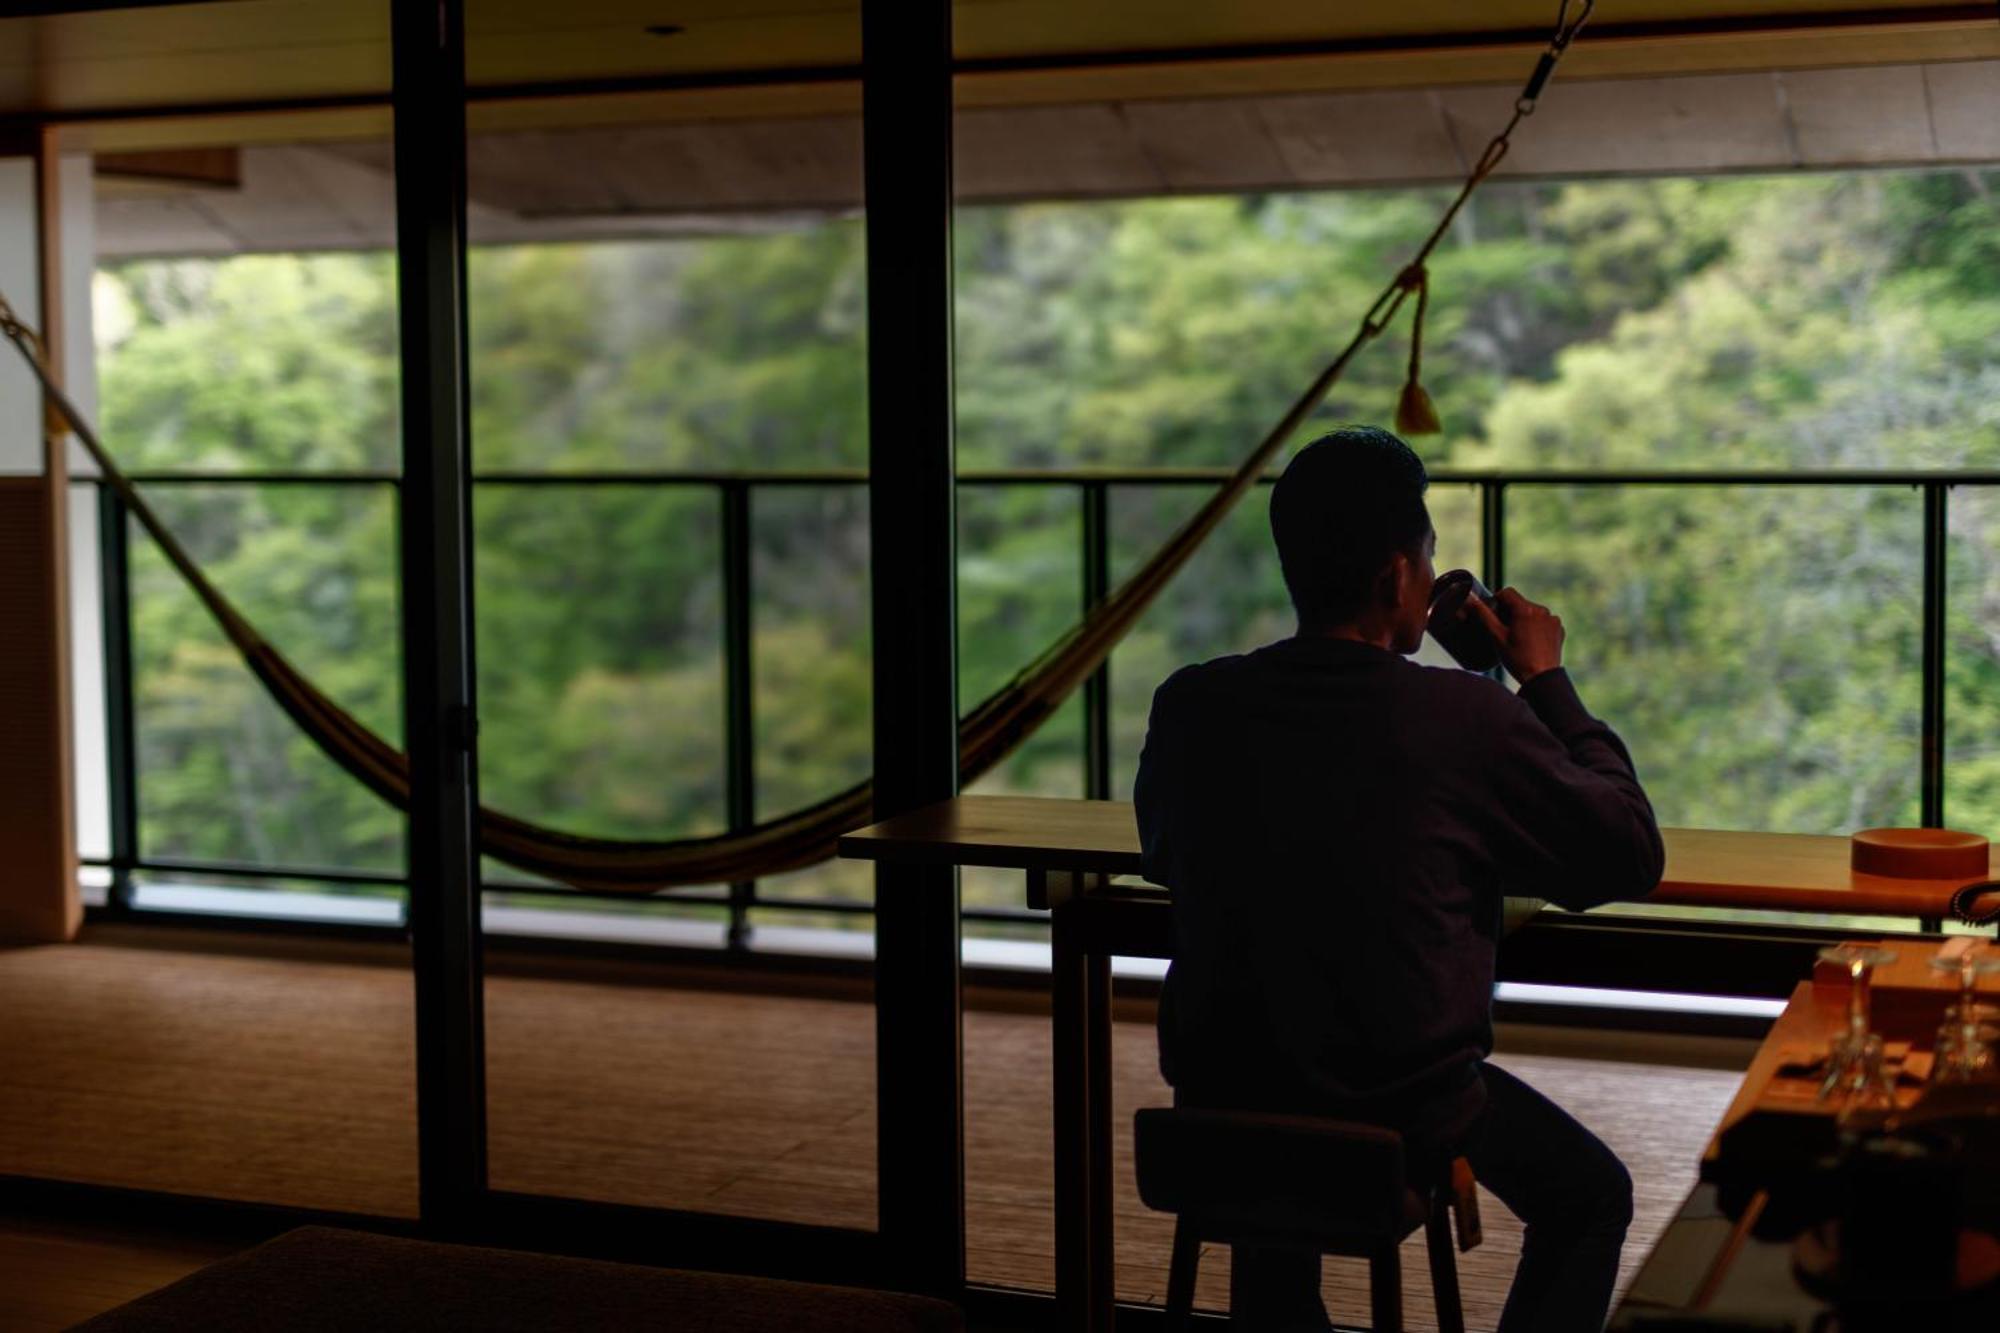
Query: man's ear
(1389, 583)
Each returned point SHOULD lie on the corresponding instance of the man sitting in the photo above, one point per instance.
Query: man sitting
(1338, 825)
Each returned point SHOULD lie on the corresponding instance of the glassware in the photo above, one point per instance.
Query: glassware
(1964, 1051)
(1974, 961)
(1867, 1091)
(1847, 1059)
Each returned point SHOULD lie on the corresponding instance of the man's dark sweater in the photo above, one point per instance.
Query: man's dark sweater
(1338, 826)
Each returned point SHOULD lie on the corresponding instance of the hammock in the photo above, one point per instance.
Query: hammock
(986, 736)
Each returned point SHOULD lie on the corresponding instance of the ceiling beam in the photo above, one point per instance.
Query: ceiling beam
(1817, 39)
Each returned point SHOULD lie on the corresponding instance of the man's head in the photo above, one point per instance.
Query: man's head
(1354, 537)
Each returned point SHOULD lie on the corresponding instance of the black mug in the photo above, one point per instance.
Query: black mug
(1457, 628)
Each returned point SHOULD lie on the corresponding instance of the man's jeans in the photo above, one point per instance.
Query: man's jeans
(1570, 1191)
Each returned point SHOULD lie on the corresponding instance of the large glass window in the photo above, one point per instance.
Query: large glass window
(600, 657)
(1756, 646)
(813, 720)
(223, 774)
(1759, 645)
(695, 352)
(253, 363)
(255, 397)
(1972, 660)
(242, 302)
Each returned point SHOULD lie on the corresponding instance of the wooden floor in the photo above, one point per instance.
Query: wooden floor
(286, 1081)
(53, 1274)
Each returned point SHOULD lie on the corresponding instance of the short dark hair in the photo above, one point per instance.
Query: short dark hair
(1345, 504)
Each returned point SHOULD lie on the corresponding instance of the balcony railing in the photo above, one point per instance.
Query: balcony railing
(736, 495)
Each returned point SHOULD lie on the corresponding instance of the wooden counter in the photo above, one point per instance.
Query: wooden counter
(1789, 872)
(1784, 872)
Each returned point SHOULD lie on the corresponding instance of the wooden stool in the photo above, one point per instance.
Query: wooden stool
(1293, 1182)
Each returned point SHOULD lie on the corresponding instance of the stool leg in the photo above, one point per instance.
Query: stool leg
(1180, 1276)
(1444, 1266)
(1385, 1288)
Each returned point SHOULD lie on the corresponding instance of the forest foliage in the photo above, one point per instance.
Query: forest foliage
(1757, 646)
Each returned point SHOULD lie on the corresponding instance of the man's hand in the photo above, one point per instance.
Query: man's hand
(1529, 634)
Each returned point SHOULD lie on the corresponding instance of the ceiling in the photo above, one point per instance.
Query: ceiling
(158, 74)
(637, 117)
(674, 178)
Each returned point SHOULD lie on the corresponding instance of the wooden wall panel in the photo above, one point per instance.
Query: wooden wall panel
(38, 889)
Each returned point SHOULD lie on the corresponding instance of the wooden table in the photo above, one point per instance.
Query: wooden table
(1773, 872)
(1073, 850)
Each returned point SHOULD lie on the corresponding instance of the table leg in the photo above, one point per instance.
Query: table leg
(1096, 1019)
(1081, 1018)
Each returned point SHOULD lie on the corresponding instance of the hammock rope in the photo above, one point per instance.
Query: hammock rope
(987, 735)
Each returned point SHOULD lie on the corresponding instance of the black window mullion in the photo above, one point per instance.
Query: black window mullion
(738, 691)
(114, 560)
(1935, 532)
(1493, 531)
(1097, 688)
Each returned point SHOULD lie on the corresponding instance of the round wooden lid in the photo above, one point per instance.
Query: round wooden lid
(1919, 853)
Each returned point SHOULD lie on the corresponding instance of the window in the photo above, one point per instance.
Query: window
(1717, 423)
